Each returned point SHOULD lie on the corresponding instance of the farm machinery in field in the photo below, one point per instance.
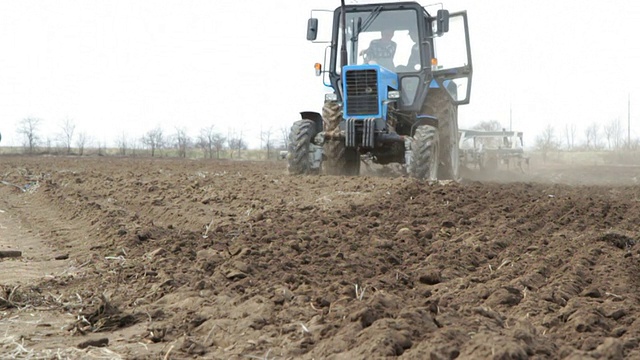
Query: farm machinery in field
(397, 74)
(487, 150)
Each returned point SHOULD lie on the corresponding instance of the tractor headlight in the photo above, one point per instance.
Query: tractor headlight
(330, 97)
(393, 95)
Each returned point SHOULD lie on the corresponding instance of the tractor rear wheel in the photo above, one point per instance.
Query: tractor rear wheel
(424, 153)
(300, 137)
(439, 104)
(338, 159)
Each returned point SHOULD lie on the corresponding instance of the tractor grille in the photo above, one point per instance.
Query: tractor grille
(362, 92)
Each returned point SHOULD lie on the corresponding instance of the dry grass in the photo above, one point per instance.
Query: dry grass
(13, 348)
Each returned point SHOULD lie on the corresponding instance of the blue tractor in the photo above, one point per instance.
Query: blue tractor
(397, 75)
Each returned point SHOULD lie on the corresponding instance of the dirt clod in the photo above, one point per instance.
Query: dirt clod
(10, 253)
(102, 342)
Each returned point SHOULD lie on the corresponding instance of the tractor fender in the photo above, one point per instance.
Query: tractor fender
(313, 116)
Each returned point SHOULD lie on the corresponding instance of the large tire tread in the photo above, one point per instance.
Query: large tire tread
(424, 150)
(439, 104)
(338, 159)
(300, 137)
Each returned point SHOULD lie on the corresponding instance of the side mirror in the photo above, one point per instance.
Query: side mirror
(442, 22)
(312, 29)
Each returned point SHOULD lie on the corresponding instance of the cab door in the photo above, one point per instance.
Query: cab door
(451, 66)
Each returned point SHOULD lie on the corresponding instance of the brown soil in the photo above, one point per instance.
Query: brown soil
(175, 259)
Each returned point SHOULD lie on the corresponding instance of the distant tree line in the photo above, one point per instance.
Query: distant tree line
(597, 137)
(213, 144)
(209, 143)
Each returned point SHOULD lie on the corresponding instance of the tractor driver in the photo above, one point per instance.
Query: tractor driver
(414, 59)
(413, 63)
(381, 51)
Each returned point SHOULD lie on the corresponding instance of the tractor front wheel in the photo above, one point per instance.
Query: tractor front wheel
(338, 159)
(300, 137)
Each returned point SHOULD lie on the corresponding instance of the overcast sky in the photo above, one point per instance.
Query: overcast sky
(128, 66)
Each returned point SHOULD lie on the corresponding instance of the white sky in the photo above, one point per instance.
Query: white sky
(132, 65)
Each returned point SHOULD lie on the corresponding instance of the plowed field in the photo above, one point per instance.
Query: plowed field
(179, 259)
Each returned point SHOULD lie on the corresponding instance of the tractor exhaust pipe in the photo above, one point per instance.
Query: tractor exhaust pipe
(343, 47)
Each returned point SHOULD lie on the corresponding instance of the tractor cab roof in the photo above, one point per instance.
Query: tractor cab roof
(396, 20)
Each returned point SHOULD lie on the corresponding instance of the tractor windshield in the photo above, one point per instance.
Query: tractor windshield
(388, 38)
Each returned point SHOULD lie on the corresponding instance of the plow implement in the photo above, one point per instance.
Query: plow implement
(490, 150)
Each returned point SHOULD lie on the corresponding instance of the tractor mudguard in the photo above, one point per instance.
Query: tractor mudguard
(313, 116)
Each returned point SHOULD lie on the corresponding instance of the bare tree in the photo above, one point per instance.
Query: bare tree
(205, 141)
(284, 133)
(612, 132)
(48, 147)
(209, 140)
(591, 134)
(134, 146)
(236, 143)
(28, 128)
(588, 138)
(102, 148)
(122, 143)
(182, 141)
(547, 141)
(267, 141)
(154, 140)
(230, 143)
(81, 142)
(618, 134)
(570, 135)
(68, 128)
(489, 125)
(218, 143)
(608, 134)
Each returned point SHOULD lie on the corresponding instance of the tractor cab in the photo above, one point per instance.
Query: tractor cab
(421, 49)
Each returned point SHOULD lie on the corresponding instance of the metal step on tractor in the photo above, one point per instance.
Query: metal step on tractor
(397, 74)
